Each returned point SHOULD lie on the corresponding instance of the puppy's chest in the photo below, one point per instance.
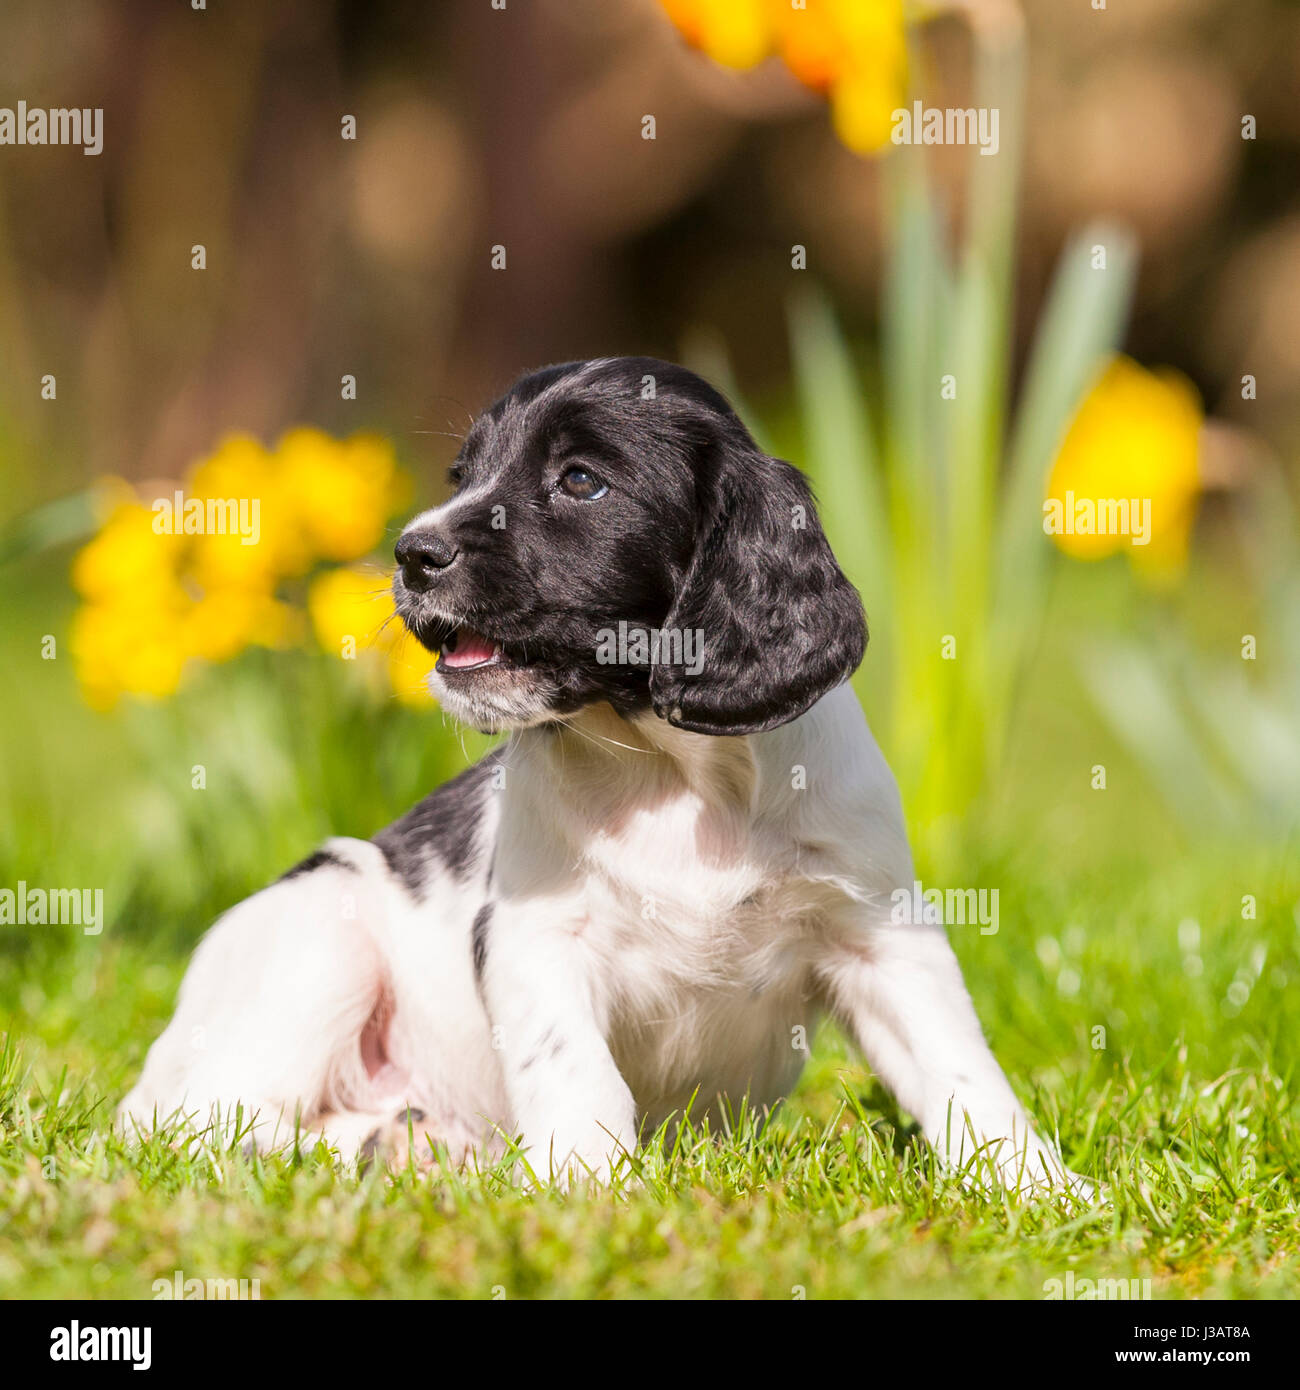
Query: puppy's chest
(703, 980)
(663, 924)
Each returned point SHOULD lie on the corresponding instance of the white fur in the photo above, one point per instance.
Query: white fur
(671, 916)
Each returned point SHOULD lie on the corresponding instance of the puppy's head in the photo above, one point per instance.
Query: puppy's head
(616, 535)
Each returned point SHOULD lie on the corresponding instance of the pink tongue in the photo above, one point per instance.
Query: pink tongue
(471, 649)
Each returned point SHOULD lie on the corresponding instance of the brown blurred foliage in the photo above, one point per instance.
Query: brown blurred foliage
(522, 128)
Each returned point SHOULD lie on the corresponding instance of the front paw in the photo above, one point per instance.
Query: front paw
(1028, 1168)
(997, 1153)
(571, 1158)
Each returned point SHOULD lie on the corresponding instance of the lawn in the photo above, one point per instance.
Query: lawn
(1144, 1014)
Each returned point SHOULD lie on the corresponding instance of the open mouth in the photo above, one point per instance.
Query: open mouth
(465, 649)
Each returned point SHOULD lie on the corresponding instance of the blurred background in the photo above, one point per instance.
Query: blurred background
(478, 127)
(1164, 131)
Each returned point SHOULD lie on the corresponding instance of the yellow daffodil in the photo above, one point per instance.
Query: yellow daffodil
(137, 647)
(1126, 476)
(735, 33)
(854, 52)
(220, 625)
(128, 635)
(344, 490)
(197, 572)
(808, 45)
(352, 614)
(244, 470)
(128, 557)
(349, 609)
(409, 665)
(863, 101)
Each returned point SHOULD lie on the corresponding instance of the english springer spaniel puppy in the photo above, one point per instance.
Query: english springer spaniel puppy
(680, 857)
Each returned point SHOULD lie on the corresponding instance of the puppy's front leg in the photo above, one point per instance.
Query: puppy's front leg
(566, 1094)
(898, 990)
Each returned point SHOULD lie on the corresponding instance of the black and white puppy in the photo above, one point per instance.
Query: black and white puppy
(681, 857)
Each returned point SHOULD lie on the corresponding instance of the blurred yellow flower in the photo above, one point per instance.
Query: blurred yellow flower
(135, 648)
(196, 573)
(242, 468)
(344, 490)
(349, 608)
(220, 625)
(409, 665)
(127, 558)
(128, 635)
(809, 46)
(863, 101)
(736, 33)
(1127, 474)
(854, 52)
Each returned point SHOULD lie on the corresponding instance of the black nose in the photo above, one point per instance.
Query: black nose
(423, 555)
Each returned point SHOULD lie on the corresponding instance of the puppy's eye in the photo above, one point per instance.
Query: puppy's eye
(583, 484)
(455, 475)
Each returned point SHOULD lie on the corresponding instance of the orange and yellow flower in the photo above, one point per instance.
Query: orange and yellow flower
(853, 52)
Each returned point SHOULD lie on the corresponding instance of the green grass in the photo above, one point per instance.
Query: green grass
(1109, 918)
(1185, 1116)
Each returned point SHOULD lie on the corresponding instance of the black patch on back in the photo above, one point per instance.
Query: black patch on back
(479, 939)
(319, 860)
(444, 825)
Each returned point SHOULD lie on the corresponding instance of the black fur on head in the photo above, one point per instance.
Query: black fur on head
(616, 535)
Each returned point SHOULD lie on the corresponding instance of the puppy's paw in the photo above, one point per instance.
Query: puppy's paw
(592, 1159)
(1026, 1165)
(1037, 1170)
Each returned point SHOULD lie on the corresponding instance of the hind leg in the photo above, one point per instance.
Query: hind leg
(274, 1006)
(392, 1137)
(400, 1134)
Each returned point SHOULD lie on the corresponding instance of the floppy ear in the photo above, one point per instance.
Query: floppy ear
(780, 623)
